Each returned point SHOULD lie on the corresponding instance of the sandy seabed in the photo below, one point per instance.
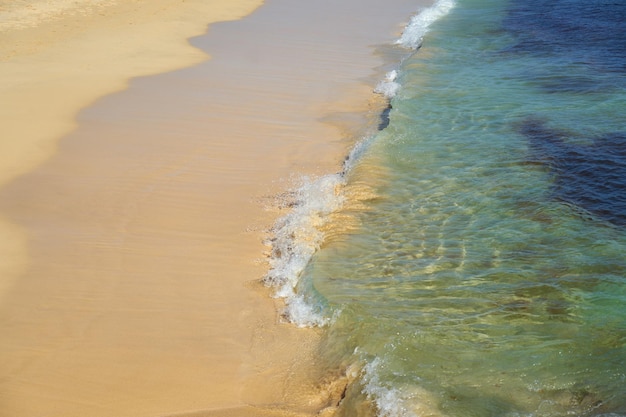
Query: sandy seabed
(132, 204)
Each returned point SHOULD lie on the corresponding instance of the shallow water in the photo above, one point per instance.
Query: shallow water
(473, 262)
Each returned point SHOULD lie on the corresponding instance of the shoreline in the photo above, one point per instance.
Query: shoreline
(140, 295)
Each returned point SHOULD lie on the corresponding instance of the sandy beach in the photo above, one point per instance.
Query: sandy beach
(140, 163)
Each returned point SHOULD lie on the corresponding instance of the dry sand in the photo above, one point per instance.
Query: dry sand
(131, 248)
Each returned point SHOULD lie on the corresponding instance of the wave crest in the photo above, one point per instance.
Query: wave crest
(414, 32)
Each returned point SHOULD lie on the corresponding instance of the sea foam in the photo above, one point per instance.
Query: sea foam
(414, 32)
(388, 87)
(296, 237)
(398, 401)
(412, 38)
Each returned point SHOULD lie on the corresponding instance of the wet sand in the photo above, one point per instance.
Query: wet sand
(58, 56)
(132, 244)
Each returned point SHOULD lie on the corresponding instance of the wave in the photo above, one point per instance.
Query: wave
(298, 235)
(398, 401)
(414, 32)
(388, 87)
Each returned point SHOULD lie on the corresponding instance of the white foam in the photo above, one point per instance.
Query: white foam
(304, 314)
(414, 32)
(357, 152)
(399, 401)
(388, 400)
(388, 87)
(412, 37)
(297, 236)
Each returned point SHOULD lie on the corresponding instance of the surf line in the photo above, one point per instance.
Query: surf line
(296, 236)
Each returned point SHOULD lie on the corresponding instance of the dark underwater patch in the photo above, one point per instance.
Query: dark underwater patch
(591, 177)
(587, 33)
(384, 118)
(570, 84)
(582, 42)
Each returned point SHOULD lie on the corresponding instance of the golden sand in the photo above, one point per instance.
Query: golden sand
(58, 56)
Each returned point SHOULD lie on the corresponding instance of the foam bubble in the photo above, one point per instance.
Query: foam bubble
(418, 26)
(388, 87)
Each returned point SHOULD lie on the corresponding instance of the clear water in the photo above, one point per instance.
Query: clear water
(471, 261)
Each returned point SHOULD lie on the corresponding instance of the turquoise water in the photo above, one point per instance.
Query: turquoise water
(472, 263)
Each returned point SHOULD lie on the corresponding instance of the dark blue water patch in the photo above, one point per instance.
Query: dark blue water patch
(564, 83)
(590, 176)
(587, 32)
(579, 46)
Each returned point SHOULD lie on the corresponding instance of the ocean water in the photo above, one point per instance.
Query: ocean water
(470, 260)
